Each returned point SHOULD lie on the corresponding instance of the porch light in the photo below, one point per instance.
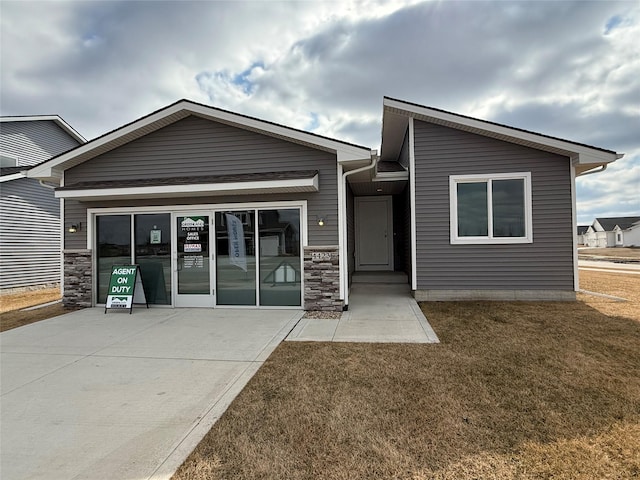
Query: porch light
(320, 221)
(75, 227)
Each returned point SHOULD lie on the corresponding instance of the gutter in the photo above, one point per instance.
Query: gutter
(602, 168)
(343, 225)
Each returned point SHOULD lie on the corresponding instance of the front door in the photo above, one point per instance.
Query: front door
(193, 252)
(374, 233)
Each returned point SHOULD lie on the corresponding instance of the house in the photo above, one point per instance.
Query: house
(221, 209)
(30, 220)
(581, 230)
(610, 232)
(630, 235)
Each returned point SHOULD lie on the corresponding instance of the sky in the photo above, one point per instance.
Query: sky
(561, 68)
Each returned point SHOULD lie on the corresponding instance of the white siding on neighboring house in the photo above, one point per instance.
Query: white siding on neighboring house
(631, 236)
(29, 211)
(34, 142)
(29, 234)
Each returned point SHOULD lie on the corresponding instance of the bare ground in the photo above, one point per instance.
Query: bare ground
(514, 391)
(13, 315)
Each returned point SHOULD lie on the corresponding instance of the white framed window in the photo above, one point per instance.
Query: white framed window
(490, 208)
(7, 160)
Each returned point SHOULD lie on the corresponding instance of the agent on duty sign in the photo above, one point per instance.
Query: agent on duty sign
(125, 288)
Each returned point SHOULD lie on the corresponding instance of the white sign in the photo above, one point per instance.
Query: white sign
(155, 237)
(192, 247)
(237, 252)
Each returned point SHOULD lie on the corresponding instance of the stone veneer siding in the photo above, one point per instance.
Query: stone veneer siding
(322, 279)
(77, 278)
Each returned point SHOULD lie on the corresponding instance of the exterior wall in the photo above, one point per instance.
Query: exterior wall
(546, 265)
(34, 141)
(194, 146)
(29, 234)
(322, 279)
(631, 236)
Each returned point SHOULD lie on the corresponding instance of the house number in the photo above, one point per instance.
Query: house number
(320, 256)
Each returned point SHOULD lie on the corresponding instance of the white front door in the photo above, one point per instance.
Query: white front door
(374, 233)
(192, 260)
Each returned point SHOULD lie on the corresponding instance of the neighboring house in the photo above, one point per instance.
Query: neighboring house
(631, 235)
(581, 230)
(610, 232)
(221, 209)
(30, 213)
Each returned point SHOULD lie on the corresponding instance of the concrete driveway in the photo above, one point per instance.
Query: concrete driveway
(118, 396)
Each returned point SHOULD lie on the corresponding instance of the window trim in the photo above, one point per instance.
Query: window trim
(489, 239)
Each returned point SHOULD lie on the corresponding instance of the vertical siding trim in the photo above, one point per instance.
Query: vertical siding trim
(576, 278)
(412, 206)
(342, 234)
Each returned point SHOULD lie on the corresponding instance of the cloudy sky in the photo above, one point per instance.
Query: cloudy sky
(568, 69)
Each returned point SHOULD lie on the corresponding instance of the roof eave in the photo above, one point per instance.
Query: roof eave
(580, 154)
(345, 152)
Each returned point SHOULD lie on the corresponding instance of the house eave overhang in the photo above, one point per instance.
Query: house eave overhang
(396, 114)
(297, 185)
(52, 169)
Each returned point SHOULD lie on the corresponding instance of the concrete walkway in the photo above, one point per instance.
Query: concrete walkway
(378, 313)
(609, 267)
(118, 396)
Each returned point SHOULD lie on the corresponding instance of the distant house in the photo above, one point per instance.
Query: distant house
(610, 232)
(630, 236)
(30, 213)
(581, 230)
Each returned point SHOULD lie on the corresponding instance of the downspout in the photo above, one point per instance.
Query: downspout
(344, 247)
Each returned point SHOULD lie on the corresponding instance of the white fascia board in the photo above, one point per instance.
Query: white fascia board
(580, 154)
(13, 176)
(164, 191)
(391, 176)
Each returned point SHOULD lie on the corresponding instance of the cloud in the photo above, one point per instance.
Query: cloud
(567, 69)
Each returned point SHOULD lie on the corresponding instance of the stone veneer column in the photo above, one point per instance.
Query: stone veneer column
(77, 278)
(322, 279)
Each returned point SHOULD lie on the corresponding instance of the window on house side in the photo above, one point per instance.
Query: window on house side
(492, 208)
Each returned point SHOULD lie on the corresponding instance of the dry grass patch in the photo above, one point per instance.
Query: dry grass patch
(618, 252)
(17, 301)
(12, 314)
(621, 285)
(515, 390)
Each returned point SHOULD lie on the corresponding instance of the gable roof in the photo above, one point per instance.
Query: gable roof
(396, 114)
(53, 118)
(52, 169)
(582, 229)
(609, 223)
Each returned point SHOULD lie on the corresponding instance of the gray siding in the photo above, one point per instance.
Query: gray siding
(194, 146)
(29, 234)
(34, 141)
(546, 264)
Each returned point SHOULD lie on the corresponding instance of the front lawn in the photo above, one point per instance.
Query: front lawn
(515, 390)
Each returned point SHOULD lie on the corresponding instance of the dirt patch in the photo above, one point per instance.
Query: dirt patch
(13, 315)
(18, 318)
(17, 301)
(514, 391)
